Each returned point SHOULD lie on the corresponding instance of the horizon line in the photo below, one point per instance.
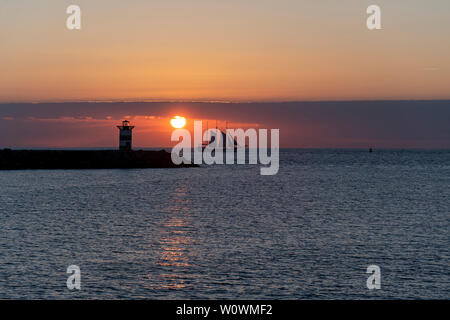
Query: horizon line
(281, 148)
(218, 101)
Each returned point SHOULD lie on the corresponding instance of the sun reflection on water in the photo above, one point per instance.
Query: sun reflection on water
(174, 245)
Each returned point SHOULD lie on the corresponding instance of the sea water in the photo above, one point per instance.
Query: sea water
(226, 232)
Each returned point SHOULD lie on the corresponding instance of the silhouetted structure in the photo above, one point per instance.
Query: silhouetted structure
(85, 159)
(89, 159)
(125, 136)
(227, 140)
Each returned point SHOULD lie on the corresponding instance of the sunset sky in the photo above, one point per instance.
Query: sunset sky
(381, 124)
(224, 50)
(181, 51)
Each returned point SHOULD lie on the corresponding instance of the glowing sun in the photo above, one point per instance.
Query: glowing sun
(178, 122)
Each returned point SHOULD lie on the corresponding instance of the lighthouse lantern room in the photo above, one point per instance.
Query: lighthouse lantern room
(125, 135)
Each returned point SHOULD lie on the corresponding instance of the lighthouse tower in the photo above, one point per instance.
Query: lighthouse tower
(125, 135)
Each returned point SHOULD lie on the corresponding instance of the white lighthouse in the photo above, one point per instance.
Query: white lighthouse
(125, 135)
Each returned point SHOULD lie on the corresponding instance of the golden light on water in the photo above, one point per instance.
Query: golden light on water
(178, 122)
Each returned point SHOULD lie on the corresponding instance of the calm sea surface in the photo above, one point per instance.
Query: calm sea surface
(222, 232)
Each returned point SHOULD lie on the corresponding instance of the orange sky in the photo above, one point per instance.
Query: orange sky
(230, 51)
(224, 50)
(358, 124)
